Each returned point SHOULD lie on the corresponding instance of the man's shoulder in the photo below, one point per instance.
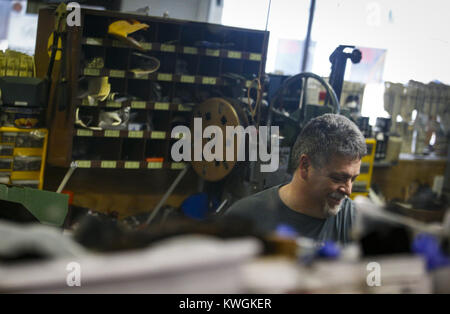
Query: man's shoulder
(348, 204)
(258, 202)
(347, 213)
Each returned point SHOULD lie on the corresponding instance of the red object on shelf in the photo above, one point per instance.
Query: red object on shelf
(70, 193)
(322, 96)
(154, 159)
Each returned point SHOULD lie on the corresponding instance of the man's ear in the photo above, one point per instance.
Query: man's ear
(304, 166)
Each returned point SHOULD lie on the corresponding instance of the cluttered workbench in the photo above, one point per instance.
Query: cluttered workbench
(390, 254)
(396, 180)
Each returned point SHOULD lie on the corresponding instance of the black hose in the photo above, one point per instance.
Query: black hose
(334, 100)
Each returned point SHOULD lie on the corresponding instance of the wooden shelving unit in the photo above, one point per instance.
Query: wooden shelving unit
(113, 164)
(222, 53)
(197, 61)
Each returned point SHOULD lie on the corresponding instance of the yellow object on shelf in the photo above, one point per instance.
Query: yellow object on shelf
(25, 162)
(14, 63)
(361, 185)
(122, 28)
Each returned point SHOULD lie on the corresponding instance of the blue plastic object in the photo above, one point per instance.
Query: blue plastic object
(197, 206)
(428, 246)
(329, 249)
(286, 231)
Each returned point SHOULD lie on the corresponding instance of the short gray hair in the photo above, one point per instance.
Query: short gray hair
(328, 135)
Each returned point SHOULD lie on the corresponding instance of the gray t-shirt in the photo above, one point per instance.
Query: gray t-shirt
(266, 210)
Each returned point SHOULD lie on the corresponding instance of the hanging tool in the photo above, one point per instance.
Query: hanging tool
(338, 61)
(59, 34)
(62, 87)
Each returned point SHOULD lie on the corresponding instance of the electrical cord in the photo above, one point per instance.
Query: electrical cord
(79, 122)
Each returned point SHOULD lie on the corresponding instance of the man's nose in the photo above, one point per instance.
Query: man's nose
(346, 188)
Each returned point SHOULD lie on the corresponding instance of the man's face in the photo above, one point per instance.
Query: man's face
(330, 184)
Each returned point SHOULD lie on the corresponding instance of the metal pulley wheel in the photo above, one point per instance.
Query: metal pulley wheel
(218, 112)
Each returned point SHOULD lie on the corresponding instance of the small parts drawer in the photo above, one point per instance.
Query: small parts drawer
(6, 150)
(27, 163)
(6, 163)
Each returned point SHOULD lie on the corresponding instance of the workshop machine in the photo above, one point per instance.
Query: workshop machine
(287, 108)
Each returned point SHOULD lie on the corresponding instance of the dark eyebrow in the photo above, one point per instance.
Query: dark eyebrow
(343, 175)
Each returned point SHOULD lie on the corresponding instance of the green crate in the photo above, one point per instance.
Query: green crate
(47, 207)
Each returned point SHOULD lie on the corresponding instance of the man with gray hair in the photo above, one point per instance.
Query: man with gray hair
(315, 203)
